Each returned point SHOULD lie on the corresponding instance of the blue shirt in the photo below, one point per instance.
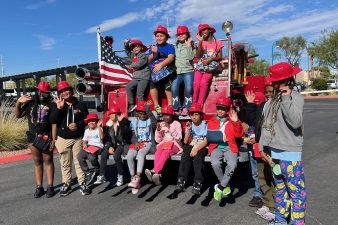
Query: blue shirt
(164, 51)
(199, 133)
(285, 155)
(142, 129)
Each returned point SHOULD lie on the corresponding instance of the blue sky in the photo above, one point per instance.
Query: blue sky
(42, 34)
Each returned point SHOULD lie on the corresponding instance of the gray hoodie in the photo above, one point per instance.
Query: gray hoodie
(140, 65)
(288, 129)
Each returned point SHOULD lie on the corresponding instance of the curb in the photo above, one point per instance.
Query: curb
(321, 97)
(14, 158)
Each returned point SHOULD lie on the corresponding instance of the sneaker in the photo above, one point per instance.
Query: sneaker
(90, 176)
(256, 202)
(65, 190)
(185, 112)
(157, 179)
(262, 210)
(276, 222)
(180, 186)
(100, 179)
(134, 191)
(135, 182)
(268, 216)
(196, 188)
(50, 191)
(84, 189)
(218, 194)
(158, 109)
(39, 191)
(131, 108)
(119, 180)
(149, 174)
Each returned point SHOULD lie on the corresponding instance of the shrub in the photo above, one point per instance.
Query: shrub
(12, 129)
(319, 84)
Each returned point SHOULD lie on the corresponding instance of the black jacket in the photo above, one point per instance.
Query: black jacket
(254, 116)
(122, 137)
(75, 113)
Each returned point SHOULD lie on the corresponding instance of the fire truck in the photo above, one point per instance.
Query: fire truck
(233, 80)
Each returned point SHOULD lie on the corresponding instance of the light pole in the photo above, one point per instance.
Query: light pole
(275, 43)
(227, 27)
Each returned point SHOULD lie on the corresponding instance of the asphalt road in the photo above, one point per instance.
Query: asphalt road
(116, 205)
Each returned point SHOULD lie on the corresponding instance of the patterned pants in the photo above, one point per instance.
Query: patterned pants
(291, 192)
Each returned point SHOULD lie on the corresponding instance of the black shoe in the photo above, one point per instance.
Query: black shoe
(65, 190)
(180, 185)
(50, 191)
(196, 188)
(90, 176)
(39, 191)
(256, 202)
(84, 189)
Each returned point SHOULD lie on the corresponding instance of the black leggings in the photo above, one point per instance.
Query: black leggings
(117, 158)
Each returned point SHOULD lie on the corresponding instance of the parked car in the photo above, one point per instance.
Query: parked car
(332, 83)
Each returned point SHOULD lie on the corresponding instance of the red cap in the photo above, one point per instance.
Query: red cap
(140, 106)
(168, 110)
(223, 101)
(114, 109)
(267, 81)
(138, 42)
(259, 98)
(196, 107)
(91, 116)
(63, 85)
(162, 29)
(43, 86)
(182, 30)
(282, 71)
(204, 26)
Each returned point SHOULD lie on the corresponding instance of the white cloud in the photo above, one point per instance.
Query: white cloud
(46, 43)
(38, 5)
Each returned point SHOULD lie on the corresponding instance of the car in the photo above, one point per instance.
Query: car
(332, 83)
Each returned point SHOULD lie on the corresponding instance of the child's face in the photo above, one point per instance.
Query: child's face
(113, 117)
(161, 38)
(66, 94)
(137, 49)
(92, 124)
(142, 115)
(167, 118)
(268, 92)
(222, 111)
(195, 117)
(205, 34)
(182, 37)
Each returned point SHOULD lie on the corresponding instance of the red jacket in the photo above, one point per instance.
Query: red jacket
(232, 130)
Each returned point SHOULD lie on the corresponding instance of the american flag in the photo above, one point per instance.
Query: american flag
(112, 69)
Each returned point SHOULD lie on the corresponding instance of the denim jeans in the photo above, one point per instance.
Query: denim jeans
(254, 172)
(187, 79)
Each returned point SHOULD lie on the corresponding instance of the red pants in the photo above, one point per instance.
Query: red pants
(201, 85)
(161, 157)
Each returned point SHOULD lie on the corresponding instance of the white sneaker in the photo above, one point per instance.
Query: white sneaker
(100, 179)
(265, 213)
(262, 210)
(119, 180)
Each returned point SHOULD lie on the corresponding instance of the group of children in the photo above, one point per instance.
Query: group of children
(271, 119)
(166, 67)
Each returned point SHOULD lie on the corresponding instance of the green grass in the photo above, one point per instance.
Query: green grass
(12, 129)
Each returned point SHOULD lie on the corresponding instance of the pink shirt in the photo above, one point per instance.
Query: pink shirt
(212, 48)
(173, 133)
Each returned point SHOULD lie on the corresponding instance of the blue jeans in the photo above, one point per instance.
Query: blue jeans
(254, 172)
(188, 80)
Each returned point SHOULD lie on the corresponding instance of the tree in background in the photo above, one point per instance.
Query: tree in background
(259, 67)
(326, 49)
(292, 49)
(324, 71)
(319, 84)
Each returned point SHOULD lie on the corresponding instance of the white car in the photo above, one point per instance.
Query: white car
(332, 83)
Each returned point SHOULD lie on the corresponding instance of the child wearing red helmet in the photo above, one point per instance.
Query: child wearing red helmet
(168, 135)
(222, 131)
(136, 51)
(209, 51)
(92, 143)
(38, 110)
(161, 59)
(282, 133)
(194, 150)
(185, 53)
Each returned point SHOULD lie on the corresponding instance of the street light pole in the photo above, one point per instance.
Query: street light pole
(275, 43)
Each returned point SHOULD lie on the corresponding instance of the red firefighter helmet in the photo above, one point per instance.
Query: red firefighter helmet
(114, 110)
(91, 116)
(282, 71)
(202, 27)
(140, 106)
(267, 81)
(63, 85)
(168, 110)
(138, 42)
(196, 107)
(182, 30)
(44, 86)
(223, 101)
(259, 98)
(162, 29)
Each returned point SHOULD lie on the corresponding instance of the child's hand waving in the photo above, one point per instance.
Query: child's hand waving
(233, 115)
(250, 96)
(154, 48)
(198, 36)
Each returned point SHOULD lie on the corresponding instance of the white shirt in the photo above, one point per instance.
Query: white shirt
(93, 137)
